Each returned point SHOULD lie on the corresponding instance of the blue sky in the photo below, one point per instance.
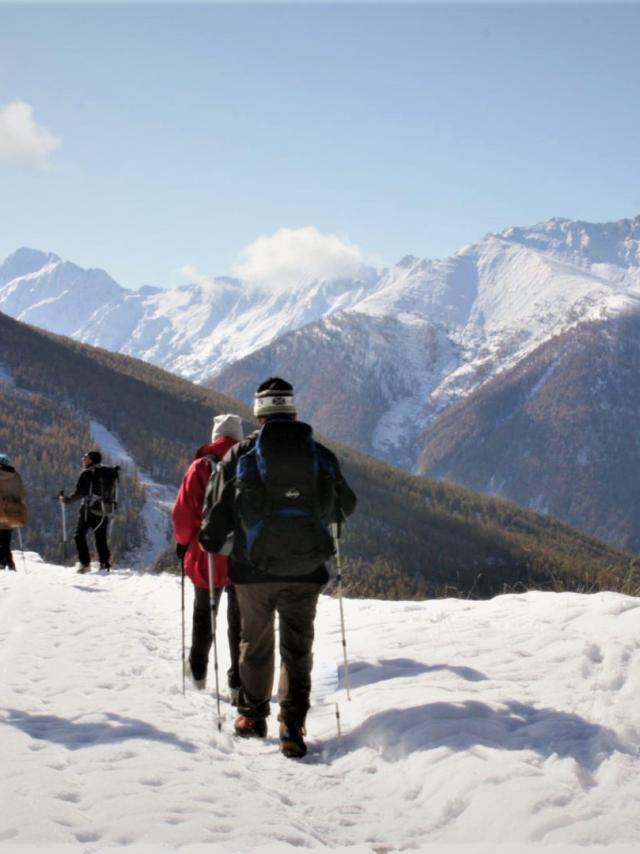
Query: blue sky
(180, 134)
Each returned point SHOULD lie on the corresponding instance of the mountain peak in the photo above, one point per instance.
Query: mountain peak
(24, 261)
(407, 261)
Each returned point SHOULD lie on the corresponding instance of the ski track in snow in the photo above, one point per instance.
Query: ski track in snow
(509, 721)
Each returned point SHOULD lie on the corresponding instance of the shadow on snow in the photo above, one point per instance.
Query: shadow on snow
(76, 734)
(396, 733)
(365, 673)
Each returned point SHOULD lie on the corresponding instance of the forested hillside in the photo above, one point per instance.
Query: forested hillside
(411, 537)
(558, 433)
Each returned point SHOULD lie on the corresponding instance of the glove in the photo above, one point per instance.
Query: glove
(181, 550)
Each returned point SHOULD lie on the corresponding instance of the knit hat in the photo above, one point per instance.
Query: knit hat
(274, 397)
(228, 425)
(4, 460)
(94, 456)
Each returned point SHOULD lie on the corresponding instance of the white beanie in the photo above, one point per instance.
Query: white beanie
(228, 425)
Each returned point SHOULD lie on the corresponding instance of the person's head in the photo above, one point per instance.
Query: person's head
(228, 425)
(4, 460)
(91, 458)
(274, 396)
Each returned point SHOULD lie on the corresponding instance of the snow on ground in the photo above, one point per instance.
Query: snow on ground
(159, 499)
(485, 725)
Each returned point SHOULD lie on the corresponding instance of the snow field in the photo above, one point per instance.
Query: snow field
(473, 726)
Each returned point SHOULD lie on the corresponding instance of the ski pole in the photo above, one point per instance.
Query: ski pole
(24, 560)
(213, 633)
(336, 540)
(184, 661)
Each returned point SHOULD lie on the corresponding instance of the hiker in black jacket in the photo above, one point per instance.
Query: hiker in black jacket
(278, 491)
(88, 517)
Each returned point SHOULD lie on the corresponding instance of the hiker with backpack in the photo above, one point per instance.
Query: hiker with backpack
(96, 489)
(278, 491)
(13, 509)
(187, 518)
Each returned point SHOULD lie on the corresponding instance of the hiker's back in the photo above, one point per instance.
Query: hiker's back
(13, 509)
(103, 497)
(285, 488)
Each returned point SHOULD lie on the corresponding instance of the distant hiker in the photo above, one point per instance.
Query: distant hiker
(96, 490)
(13, 509)
(187, 518)
(277, 491)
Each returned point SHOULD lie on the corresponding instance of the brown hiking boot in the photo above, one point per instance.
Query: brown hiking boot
(250, 727)
(84, 567)
(291, 740)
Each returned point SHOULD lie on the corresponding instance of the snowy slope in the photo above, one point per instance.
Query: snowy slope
(475, 723)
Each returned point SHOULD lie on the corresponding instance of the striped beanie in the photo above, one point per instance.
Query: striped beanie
(274, 397)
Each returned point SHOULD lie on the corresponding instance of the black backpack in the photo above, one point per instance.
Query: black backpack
(285, 500)
(103, 497)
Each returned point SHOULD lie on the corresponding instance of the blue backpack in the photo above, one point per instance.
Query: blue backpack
(285, 500)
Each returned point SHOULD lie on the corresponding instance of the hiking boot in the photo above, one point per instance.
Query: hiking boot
(84, 567)
(106, 567)
(291, 740)
(250, 727)
(234, 696)
(201, 683)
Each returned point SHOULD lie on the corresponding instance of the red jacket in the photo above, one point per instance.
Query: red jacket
(187, 515)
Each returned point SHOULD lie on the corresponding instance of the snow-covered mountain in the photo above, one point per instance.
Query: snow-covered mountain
(396, 346)
(193, 330)
(431, 332)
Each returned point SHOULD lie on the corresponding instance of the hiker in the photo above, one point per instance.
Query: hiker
(187, 517)
(92, 516)
(13, 509)
(278, 490)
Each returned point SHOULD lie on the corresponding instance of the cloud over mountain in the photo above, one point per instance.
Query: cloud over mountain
(302, 255)
(22, 139)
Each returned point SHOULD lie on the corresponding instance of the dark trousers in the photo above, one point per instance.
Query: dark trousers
(295, 603)
(233, 636)
(202, 638)
(6, 558)
(100, 527)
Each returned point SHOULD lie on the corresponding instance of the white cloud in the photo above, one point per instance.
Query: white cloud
(192, 274)
(292, 257)
(22, 140)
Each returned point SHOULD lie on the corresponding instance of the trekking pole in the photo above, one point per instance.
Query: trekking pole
(184, 662)
(24, 560)
(213, 633)
(63, 509)
(336, 540)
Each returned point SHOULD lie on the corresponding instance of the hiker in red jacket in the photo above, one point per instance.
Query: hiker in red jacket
(187, 517)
